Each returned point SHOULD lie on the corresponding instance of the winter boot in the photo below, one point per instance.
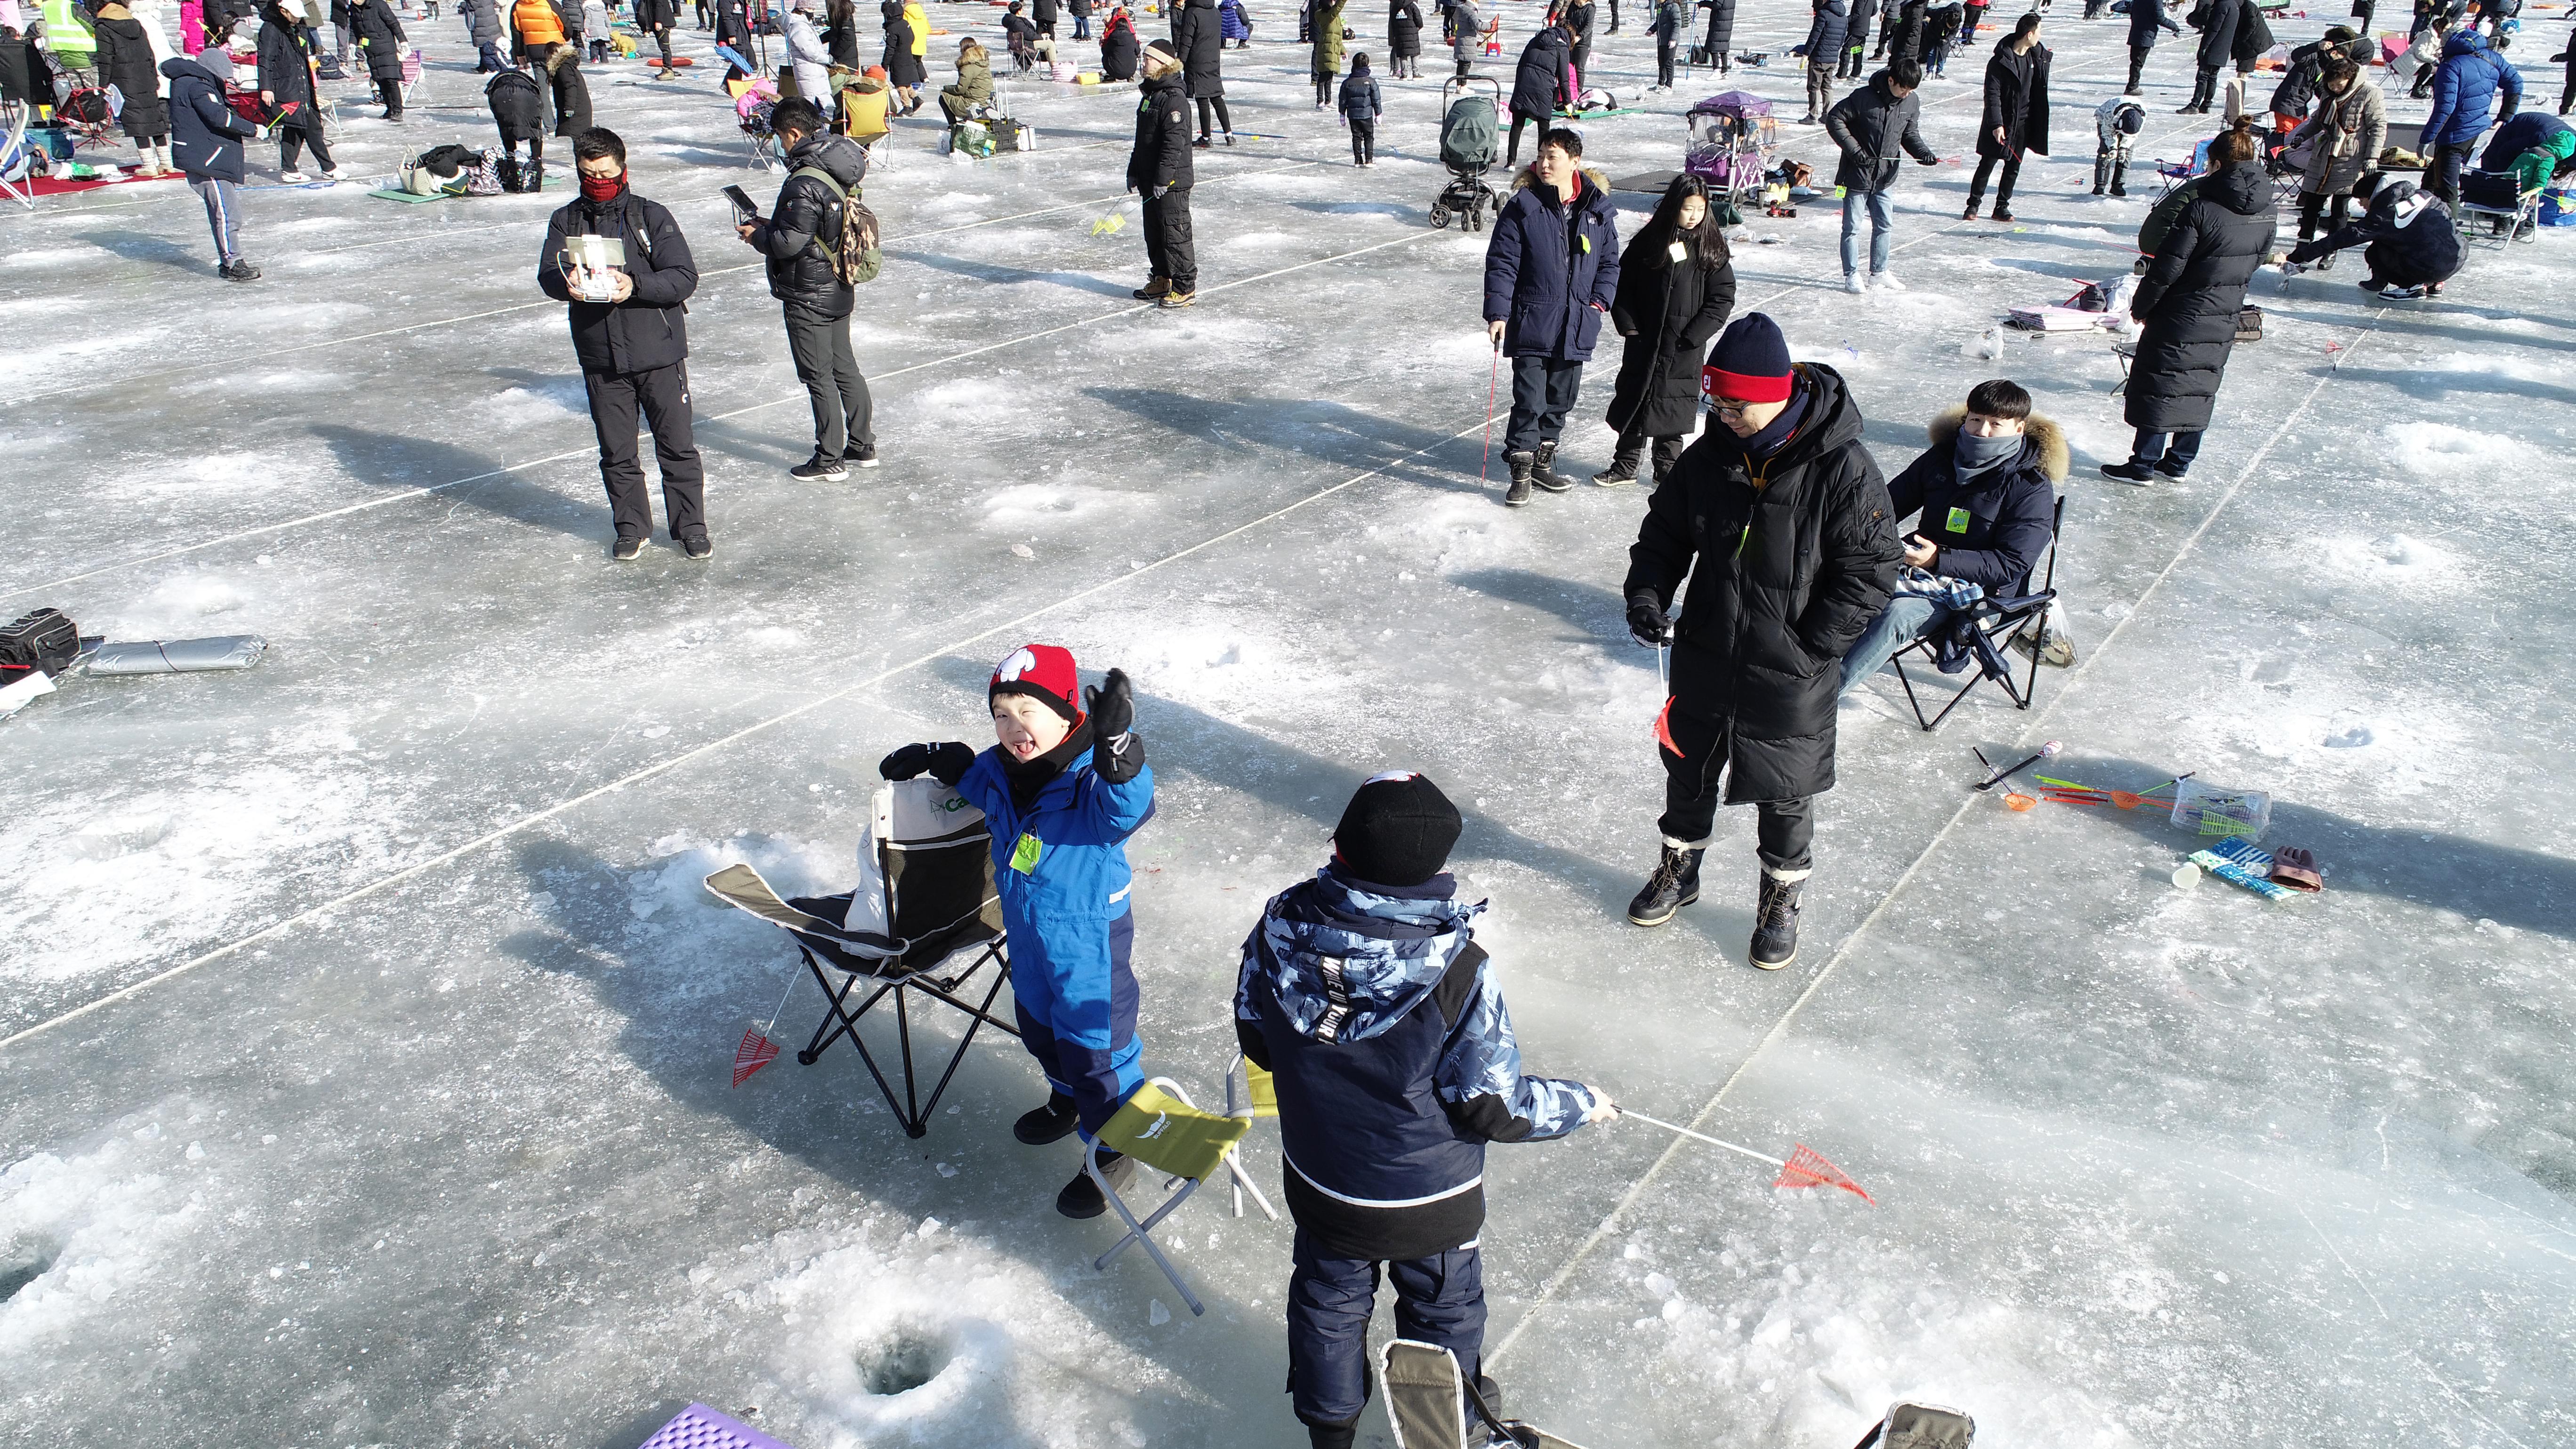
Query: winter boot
(532, 177)
(1521, 464)
(2131, 471)
(1042, 1125)
(1545, 475)
(1775, 919)
(2101, 172)
(1674, 885)
(1081, 1198)
(1333, 1436)
(1623, 468)
(1174, 300)
(238, 269)
(1152, 291)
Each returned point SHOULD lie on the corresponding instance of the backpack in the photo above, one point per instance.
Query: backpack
(855, 258)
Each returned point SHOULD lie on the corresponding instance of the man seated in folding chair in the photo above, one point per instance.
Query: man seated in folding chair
(1061, 792)
(1364, 994)
(1986, 488)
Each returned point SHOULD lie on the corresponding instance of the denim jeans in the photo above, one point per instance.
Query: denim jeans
(1880, 224)
(1906, 618)
(2152, 446)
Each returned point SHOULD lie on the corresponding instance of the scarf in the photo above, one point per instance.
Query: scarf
(1978, 455)
(1030, 776)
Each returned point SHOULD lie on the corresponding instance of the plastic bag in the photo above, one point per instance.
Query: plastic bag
(2204, 809)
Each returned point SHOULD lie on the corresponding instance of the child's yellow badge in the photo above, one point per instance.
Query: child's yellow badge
(1024, 855)
(1958, 520)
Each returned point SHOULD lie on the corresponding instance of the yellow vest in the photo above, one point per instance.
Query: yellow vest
(537, 23)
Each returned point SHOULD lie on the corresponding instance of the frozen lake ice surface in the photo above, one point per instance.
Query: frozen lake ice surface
(365, 1041)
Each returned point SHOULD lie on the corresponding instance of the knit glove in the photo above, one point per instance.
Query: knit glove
(1647, 624)
(1116, 753)
(946, 763)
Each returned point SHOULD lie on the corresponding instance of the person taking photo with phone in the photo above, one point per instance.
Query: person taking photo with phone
(799, 241)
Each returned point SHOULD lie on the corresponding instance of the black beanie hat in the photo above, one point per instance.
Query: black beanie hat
(1397, 830)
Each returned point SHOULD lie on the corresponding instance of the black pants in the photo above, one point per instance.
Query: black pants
(2567, 88)
(1784, 830)
(2442, 167)
(1215, 104)
(1465, 66)
(2137, 65)
(1512, 150)
(2312, 207)
(1438, 1300)
(662, 395)
(308, 132)
(2003, 191)
(1852, 60)
(1363, 140)
(820, 348)
(1664, 64)
(1543, 392)
(1324, 87)
(1168, 245)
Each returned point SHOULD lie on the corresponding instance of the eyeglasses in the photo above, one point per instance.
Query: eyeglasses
(1730, 407)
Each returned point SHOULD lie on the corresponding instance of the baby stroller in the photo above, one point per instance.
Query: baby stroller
(1731, 139)
(1471, 136)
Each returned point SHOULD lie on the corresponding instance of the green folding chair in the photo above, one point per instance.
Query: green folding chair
(1256, 1097)
(1160, 1127)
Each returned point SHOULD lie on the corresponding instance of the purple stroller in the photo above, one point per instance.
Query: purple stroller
(1731, 139)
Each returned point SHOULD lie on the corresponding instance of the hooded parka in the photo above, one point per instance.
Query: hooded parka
(125, 61)
(1202, 48)
(804, 228)
(205, 134)
(1551, 271)
(1783, 578)
(1541, 74)
(1668, 311)
(2188, 302)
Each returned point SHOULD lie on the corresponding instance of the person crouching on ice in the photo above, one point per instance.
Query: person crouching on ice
(1061, 791)
(1365, 994)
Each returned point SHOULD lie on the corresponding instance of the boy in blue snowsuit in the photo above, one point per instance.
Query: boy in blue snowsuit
(1365, 995)
(1061, 790)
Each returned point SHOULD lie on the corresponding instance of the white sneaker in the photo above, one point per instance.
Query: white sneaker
(291, 178)
(1853, 284)
(332, 174)
(1886, 282)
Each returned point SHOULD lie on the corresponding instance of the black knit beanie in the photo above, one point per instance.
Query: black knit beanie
(1397, 830)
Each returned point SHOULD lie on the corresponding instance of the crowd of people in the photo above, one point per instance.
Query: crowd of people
(1772, 559)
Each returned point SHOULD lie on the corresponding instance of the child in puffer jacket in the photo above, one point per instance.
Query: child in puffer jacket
(1061, 792)
(1365, 995)
(1361, 105)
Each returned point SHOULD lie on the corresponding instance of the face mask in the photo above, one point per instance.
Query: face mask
(603, 188)
(1979, 453)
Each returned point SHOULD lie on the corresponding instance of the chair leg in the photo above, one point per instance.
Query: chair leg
(1140, 1232)
(1242, 1181)
(959, 1058)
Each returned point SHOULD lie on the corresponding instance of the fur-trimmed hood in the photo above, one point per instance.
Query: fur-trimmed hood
(2042, 430)
(1528, 176)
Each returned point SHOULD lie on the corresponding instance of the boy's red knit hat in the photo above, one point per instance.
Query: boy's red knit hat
(1042, 672)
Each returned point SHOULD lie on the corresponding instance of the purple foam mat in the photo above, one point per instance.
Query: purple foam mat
(699, 1427)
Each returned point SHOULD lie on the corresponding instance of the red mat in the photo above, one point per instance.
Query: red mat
(677, 60)
(55, 186)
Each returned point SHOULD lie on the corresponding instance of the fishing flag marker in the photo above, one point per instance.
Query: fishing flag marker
(756, 1050)
(1806, 1167)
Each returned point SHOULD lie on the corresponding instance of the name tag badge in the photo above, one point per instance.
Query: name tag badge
(1678, 253)
(1024, 855)
(1958, 520)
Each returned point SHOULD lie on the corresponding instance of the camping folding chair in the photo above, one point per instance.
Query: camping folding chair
(1160, 1128)
(1996, 622)
(2510, 213)
(1257, 1097)
(933, 864)
(1428, 1399)
(415, 86)
(13, 120)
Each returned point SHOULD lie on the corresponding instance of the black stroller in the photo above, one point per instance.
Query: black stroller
(1471, 138)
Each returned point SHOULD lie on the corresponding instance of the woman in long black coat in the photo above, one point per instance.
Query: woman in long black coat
(125, 61)
(286, 92)
(2187, 307)
(1404, 38)
(1676, 288)
(1535, 84)
(372, 24)
(2016, 114)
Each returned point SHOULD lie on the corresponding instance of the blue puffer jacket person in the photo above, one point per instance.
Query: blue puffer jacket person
(1061, 793)
(1364, 993)
(2464, 89)
(1551, 276)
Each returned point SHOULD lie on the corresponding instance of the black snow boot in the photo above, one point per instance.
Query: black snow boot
(1622, 469)
(1674, 885)
(2101, 172)
(1521, 464)
(1081, 1197)
(1543, 472)
(1042, 1125)
(1775, 919)
(1333, 1436)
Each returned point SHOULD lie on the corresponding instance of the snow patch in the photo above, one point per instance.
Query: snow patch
(547, 402)
(81, 1227)
(1030, 504)
(2439, 448)
(2392, 560)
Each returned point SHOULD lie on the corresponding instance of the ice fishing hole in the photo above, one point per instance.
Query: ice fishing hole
(901, 1362)
(17, 1271)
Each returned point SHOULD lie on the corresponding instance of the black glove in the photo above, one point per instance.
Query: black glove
(946, 763)
(1647, 624)
(1116, 753)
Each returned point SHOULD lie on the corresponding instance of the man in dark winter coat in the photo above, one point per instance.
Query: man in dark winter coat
(1201, 43)
(657, 18)
(1876, 127)
(632, 343)
(1856, 21)
(799, 240)
(286, 93)
(519, 113)
(2464, 87)
(206, 140)
(1672, 24)
(2016, 115)
(2412, 246)
(1365, 996)
(1158, 169)
(2146, 17)
(1987, 490)
(1551, 275)
(1404, 39)
(1536, 83)
(380, 35)
(2187, 306)
(1824, 53)
(2216, 51)
(1781, 525)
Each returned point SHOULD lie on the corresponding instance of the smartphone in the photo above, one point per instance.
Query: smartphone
(743, 211)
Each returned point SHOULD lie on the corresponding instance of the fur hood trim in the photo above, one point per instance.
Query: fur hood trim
(564, 55)
(2040, 428)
